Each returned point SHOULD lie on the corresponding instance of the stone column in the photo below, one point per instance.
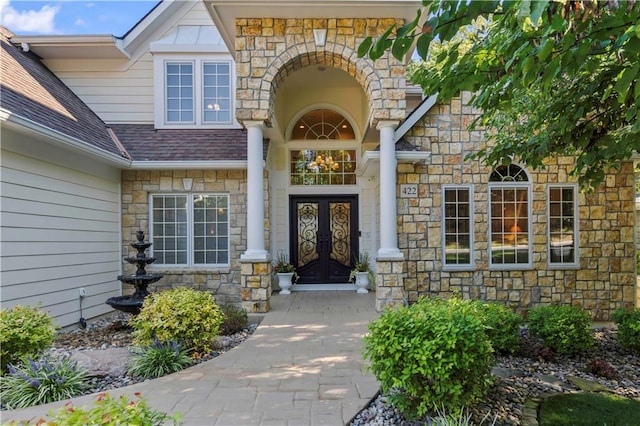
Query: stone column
(390, 260)
(255, 194)
(256, 266)
(388, 210)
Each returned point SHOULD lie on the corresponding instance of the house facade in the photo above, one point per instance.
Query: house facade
(246, 132)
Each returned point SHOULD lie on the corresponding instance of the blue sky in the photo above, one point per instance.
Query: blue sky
(72, 16)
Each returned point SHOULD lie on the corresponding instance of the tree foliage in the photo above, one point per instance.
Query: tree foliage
(551, 77)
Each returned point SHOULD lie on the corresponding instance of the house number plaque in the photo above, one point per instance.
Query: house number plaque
(409, 191)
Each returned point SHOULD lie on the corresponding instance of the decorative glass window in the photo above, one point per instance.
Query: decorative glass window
(179, 93)
(322, 124)
(563, 234)
(190, 229)
(457, 226)
(510, 218)
(323, 167)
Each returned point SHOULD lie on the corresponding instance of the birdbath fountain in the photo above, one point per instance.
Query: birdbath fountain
(141, 280)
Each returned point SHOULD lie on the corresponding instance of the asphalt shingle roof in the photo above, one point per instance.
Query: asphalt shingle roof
(145, 143)
(30, 90)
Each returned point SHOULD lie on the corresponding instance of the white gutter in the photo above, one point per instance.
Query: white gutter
(20, 123)
(189, 165)
(371, 158)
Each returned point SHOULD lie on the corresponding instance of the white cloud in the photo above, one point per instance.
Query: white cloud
(37, 21)
(80, 22)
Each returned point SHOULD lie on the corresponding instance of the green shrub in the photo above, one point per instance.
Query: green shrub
(235, 320)
(184, 315)
(565, 329)
(158, 359)
(40, 382)
(433, 354)
(502, 326)
(628, 322)
(24, 331)
(108, 411)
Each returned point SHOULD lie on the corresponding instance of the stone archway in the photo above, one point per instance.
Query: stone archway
(271, 49)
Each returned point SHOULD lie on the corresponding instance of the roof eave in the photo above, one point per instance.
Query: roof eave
(20, 123)
(99, 46)
(190, 165)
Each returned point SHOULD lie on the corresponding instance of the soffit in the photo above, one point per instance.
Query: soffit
(225, 12)
(73, 46)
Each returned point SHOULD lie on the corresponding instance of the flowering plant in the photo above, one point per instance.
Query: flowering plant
(283, 265)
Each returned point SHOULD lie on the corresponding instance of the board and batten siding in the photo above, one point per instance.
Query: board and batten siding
(60, 231)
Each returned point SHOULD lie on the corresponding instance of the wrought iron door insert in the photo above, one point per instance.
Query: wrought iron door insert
(324, 237)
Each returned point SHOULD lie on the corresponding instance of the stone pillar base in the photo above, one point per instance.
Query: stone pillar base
(256, 286)
(390, 283)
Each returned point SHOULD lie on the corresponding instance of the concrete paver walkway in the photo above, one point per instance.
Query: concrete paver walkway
(302, 366)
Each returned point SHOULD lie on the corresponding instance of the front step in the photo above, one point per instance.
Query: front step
(324, 287)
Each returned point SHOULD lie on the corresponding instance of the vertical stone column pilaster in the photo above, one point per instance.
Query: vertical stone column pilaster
(390, 284)
(255, 194)
(256, 286)
(388, 201)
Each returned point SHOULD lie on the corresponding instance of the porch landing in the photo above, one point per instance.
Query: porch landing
(302, 366)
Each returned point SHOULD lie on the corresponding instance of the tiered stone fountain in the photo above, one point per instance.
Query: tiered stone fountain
(141, 280)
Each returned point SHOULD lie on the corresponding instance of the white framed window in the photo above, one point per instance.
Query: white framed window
(562, 210)
(190, 230)
(194, 92)
(510, 242)
(457, 227)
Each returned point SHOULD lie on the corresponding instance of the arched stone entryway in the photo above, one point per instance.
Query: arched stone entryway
(268, 52)
(270, 49)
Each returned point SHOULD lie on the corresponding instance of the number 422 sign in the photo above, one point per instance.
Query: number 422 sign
(409, 191)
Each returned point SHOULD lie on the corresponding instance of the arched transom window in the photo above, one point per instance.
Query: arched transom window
(510, 217)
(322, 124)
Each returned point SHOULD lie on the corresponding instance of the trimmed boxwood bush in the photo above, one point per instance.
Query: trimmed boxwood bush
(502, 326)
(24, 331)
(184, 315)
(432, 355)
(565, 329)
(628, 322)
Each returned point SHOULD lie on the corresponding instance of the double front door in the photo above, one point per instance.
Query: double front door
(324, 237)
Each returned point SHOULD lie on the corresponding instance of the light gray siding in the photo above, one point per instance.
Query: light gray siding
(59, 231)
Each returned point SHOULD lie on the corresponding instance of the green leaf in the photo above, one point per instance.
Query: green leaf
(546, 49)
(625, 77)
(364, 47)
(538, 9)
(401, 47)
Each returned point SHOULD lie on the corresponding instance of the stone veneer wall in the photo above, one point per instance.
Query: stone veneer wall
(224, 283)
(606, 277)
(269, 49)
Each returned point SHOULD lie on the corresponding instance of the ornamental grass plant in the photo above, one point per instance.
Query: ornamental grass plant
(158, 359)
(46, 380)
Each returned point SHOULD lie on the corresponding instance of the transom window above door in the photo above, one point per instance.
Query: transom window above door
(323, 167)
(322, 124)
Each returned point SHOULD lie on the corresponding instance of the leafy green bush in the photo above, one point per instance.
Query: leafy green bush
(502, 326)
(235, 320)
(158, 359)
(628, 322)
(39, 382)
(108, 411)
(24, 331)
(433, 354)
(184, 315)
(565, 329)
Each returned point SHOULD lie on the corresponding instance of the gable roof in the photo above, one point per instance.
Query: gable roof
(31, 92)
(145, 143)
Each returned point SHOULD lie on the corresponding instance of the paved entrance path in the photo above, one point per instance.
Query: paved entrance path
(302, 366)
